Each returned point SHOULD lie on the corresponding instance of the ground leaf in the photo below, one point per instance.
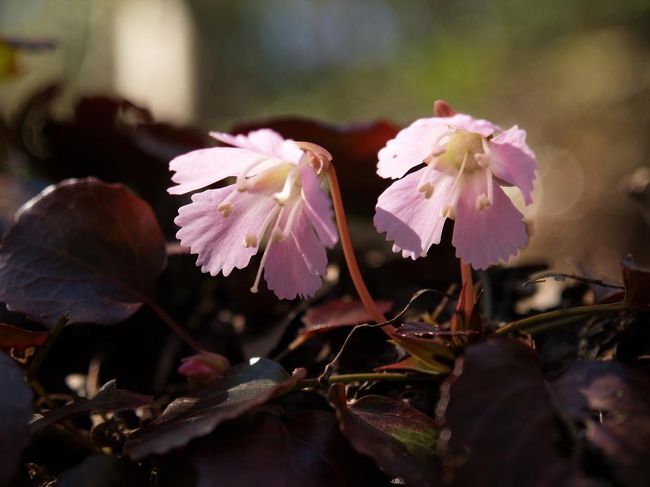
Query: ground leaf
(108, 398)
(82, 247)
(613, 400)
(242, 388)
(19, 338)
(103, 471)
(280, 448)
(400, 439)
(15, 411)
(499, 426)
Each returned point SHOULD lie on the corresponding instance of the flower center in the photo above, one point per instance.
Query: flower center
(460, 146)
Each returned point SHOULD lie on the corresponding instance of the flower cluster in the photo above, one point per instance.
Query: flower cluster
(276, 201)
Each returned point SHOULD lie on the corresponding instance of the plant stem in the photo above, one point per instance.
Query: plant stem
(347, 378)
(36, 362)
(560, 313)
(173, 326)
(348, 252)
(468, 295)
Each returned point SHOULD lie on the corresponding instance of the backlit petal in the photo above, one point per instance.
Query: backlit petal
(219, 240)
(512, 161)
(296, 264)
(410, 220)
(483, 237)
(318, 208)
(204, 167)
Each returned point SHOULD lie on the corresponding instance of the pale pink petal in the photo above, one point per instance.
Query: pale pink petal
(410, 147)
(318, 208)
(513, 162)
(295, 265)
(203, 167)
(483, 237)
(409, 219)
(264, 141)
(460, 121)
(219, 240)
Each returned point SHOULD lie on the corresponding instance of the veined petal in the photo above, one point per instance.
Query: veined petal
(512, 161)
(203, 167)
(264, 141)
(318, 208)
(295, 265)
(482, 237)
(411, 220)
(411, 147)
(219, 240)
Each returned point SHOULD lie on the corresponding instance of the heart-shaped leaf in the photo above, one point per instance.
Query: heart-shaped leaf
(400, 439)
(83, 248)
(240, 389)
(108, 398)
(15, 412)
(282, 448)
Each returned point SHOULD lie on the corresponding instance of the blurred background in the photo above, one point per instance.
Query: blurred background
(575, 74)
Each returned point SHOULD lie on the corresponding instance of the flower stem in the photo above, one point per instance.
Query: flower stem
(173, 326)
(347, 378)
(559, 314)
(36, 362)
(348, 252)
(468, 295)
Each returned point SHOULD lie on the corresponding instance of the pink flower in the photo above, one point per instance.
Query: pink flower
(276, 200)
(466, 162)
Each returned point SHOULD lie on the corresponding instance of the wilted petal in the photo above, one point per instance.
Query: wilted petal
(203, 167)
(411, 147)
(512, 161)
(318, 208)
(295, 265)
(410, 220)
(219, 240)
(204, 367)
(482, 237)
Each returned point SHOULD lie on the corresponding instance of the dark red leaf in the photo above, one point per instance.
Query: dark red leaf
(400, 439)
(15, 412)
(108, 398)
(335, 313)
(637, 284)
(19, 338)
(83, 247)
(240, 389)
(279, 448)
(498, 423)
(614, 402)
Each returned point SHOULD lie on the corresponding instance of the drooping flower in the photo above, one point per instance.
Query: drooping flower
(276, 202)
(466, 163)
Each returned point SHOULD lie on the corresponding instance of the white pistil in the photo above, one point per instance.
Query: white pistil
(449, 210)
(258, 277)
(226, 207)
(283, 196)
(280, 235)
(485, 200)
(424, 186)
(242, 184)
